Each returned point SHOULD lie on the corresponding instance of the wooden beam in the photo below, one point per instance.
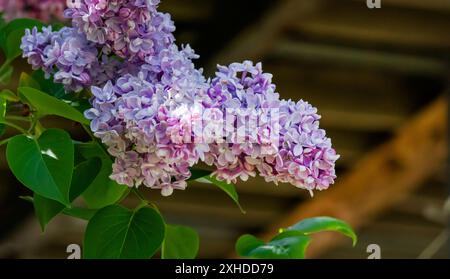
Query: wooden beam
(258, 39)
(360, 120)
(433, 5)
(188, 11)
(360, 58)
(389, 26)
(381, 179)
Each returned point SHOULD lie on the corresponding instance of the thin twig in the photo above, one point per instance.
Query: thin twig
(5, 141)
(18, 118)
(12, 125)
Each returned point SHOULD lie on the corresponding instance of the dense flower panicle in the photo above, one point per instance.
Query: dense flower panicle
(127, 34)
(69, 57)
(159, 116)
(145, 122)
(131, 29)
(299, 154)
(45, 10)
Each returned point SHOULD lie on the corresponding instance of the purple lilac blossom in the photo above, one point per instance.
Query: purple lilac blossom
(147, 95)
(302, 154)
(145, 121)
(69, 57)
(131, 29)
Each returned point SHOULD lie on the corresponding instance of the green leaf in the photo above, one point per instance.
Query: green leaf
(321, 224)
(12, 33)
(180, 242)
(46, 209)
(119, 233)
(48, 86)
(283, 247)
(2, 21)
(103, 191)
(48, 105)
(3, 104)
(80, 213)
(83, 176)
(293, 247)
(9, 95)
(77, 212)
(75, 100)
(198, 173)
(229, 189)
(6, 72)
(291, 243)
(56, 26)
(44, 165)
(26, 80)
(246, 244)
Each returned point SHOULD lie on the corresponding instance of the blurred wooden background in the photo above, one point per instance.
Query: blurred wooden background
(380, 80)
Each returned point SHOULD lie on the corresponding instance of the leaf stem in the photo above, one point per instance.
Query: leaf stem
(12, 125)
(6, 64)
(95, 139)
(139, 195)
(34, 121)
(18, 118)
(89, 132)
(125, 194)
(5, 141)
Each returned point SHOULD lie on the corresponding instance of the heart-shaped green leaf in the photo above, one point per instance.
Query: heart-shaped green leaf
(46, 209)
(44, 165)
(48, 105)
(102, 191)
(321, 224)
(115, 232)
(180, 242)
(83, 175)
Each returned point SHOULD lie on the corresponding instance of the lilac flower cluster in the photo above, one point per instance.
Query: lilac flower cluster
(145, 121)
(131, 29)
(68, 56)
(159, 116)
(45, 10)
(299, 154)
